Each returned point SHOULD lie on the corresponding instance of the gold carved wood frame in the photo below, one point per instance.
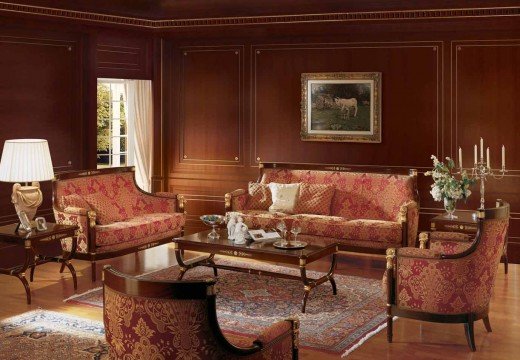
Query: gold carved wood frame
(329, 116)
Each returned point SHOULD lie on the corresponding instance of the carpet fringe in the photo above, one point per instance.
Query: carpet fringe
(365, 338)
(83, 293)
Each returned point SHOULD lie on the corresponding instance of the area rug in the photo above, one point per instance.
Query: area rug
(247, 304)
(43, 334)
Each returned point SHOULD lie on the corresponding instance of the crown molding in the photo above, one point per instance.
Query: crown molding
(357, 16)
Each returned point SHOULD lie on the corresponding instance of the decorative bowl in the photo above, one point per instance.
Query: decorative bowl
(214, 221)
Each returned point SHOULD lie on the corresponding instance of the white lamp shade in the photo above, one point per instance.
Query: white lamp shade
(26, 160)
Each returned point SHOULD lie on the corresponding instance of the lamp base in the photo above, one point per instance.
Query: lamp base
(27, 199)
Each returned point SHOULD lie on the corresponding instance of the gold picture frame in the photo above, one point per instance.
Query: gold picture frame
(341, 107)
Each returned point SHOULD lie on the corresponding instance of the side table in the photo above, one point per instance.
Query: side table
(464, 222)
(22, 250)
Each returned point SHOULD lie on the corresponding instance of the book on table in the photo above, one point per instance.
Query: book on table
(262, 235)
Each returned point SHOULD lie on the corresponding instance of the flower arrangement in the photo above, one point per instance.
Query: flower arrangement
(445, 186)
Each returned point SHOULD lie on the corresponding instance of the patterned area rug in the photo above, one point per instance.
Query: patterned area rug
(247, 304)
(43, 334)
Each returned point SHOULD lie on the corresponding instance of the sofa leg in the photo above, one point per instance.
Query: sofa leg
(93, 266)
(389, 328)
(470, 336)
(487, 324)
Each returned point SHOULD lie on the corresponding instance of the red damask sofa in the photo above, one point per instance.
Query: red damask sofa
(114, 216)
(361, 211)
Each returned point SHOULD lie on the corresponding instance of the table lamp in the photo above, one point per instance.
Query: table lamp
(26, 161)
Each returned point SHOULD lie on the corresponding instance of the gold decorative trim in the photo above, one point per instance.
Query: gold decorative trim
(390, 254)
(357, 16)
(235, 253)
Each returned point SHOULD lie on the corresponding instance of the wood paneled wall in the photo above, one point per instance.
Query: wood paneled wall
(234, 101)
(48, 77)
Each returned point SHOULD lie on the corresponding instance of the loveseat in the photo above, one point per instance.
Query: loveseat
(360, 211)
(114, 216)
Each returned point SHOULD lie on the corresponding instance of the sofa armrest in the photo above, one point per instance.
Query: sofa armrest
(86, 222)
(236, 200)
(411, 252)
(280, 337)
(408, 216)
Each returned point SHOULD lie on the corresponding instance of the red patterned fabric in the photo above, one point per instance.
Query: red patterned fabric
(387, 232)
(358, 195)
(138, 228)
(452, 286)
(146, 328)
(114, 197)
(260, 197)
(121, 212)
(239, 199)
(449, 247)
(74, 201)
(74, 216)
(314, 199)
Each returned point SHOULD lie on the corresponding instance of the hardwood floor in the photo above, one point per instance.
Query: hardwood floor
(412, 339)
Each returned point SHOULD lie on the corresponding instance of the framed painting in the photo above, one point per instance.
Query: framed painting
(344, 106)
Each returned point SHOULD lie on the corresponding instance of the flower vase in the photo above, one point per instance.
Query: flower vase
(449, 206)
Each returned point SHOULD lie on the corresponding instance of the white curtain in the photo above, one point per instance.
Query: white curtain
(140, 120)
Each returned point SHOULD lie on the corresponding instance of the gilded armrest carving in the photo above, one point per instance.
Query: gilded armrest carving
(235, 200)
(408, 216)
(423, 240)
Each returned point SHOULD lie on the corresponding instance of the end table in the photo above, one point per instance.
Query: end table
(22, 250)
(464, 222)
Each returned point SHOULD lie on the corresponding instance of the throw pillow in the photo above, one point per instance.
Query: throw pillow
(284, 197)
(259, 197)
(314, 199)
(74, 200)
(107, 210)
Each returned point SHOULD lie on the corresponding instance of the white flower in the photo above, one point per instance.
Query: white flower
(436, 193)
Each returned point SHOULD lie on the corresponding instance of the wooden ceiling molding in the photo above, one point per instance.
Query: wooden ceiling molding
(145, 16)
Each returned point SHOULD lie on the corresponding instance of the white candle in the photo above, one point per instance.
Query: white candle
(487, 157)
(475, 152)
(460, 157)
(503, 156)
(482, 148)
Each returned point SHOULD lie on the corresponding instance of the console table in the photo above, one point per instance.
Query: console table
(464, 222)
(22, 250)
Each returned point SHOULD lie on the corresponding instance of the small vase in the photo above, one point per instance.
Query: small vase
(449, 206)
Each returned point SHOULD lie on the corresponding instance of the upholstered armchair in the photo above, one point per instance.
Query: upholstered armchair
(147, 319)
(453, 286)
(452, 243)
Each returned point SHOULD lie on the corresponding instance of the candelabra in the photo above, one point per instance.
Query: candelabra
(482, 169)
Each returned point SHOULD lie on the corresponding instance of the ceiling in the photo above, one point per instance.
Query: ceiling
(197, 9)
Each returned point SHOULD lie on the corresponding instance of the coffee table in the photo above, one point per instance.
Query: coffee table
(256, 251)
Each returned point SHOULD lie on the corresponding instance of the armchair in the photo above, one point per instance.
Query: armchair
(452, 286)
(147, 319)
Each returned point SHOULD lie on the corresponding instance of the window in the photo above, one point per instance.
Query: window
(114, 133)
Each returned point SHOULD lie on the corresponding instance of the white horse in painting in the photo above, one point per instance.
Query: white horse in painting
(346, 104)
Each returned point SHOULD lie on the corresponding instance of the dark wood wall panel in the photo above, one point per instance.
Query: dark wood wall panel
(124, 56)
(486, 82)
(211, 105)
(440, 89)
(40, 94)
(410, 99)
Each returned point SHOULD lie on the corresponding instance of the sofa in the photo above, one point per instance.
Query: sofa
(360, 211)
(114, 216)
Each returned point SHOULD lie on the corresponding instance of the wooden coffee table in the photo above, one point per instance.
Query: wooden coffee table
(257, 251)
